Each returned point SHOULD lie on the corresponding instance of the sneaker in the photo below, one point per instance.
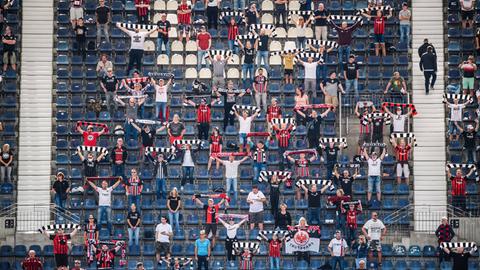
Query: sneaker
(432, 87)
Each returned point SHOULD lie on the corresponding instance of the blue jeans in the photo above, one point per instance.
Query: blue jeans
(301, 42)
(336, 260)
(133, 234)
(274, 263)
(374, 181)
(187, 174)
(239, 5)
(263, 56)
(351, 83)
(134, 199)
(200, 57)
(343, 50)
(452, 128)
(232, 47)
(119, 170)
(174, 217)
(161, 188)
(59, 201)
(313, 215)
(340, 222)
(160, 42)
(161, 107)
(257, 168)
(405, 33)
(470, 155)
(232, 186)
(107, 211)
(130, 132)
(247, 72)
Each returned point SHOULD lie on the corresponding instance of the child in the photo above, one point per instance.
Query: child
(274, 250)
(80, 36)
(352, 211)
(288, 67)
(246, 258)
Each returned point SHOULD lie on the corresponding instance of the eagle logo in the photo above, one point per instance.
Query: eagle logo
(301, 238)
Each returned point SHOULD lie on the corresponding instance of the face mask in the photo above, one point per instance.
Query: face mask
(90, 159)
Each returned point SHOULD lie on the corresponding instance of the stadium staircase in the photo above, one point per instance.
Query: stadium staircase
(36, 110)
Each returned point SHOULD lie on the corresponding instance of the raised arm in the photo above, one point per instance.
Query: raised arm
(116, 184)
(119, 101)
(136, 126)
(384, 152)
(92, 184)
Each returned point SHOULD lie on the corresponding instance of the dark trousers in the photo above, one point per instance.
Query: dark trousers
(135, 59)
(143, 19)
(283, 160)
(281, 13)
(428, 83)
(212, 17)
(203, 129)
(459, 202)
(229, 247)
(228, 119)
(187, 174)
(442, 255)
(303, 256)
(202, 262)
(274, 198)
(81, 50)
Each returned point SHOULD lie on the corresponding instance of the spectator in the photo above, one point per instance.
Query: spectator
(137, 91)
(6, 163)
(91, 233)
(351, 74)
(374, 230)
(204, 42)
(459, 255)
(219, 64)
(244, 127)
(211, 216)
(133, 188)
(105, 256)
(274, 193)
(301, 28)
(302, 164)
(345, 181)
(274, 251)
(9, 43)
(444, 234)
(469, 141)
(338, 201)
(90, 165)
(212, 13)
(331, 155)
(281, 12)
(160, 164)
(477, 41)
(143, 8)
(374, 174)
(365, 134)
(288, 66)
(344, 39)
(231, 173)
(147, 134)
(103, 16)
(352, 211)
(399, 119)
(232, 33)
(256, 199)
(119, 157)
(60, 189)
(263, 49)
(313, 124)
(314, 206)
(405, 16)
(283, 135)
(468, 69)
(80, 31)
(251, 15)
(231, 236)
(260, 88)
(203, 116)
(163, 233)
(362, 251)
(230, 99)
(175, 129)
(109, 85)
(76, 11)
(259, 156)
(174, 203)
(239, 5)
(310, 77)
(32, 262)
(131, 112)
(321, 15)
(468, 12)
(3, 12)
(105, 202)
(282, 218)
(163, 27)
(379, 31)
(322, 68)
(274, 111)
(184, 14)
(428, 65)
(103, 66)
(459, 188)
(60, 245)
(330, 89)
(398, 88)
(78, 265)
(202, 251)
(136, 43)
(456, 116)
(188, 157)
(215, 146)
(303, 255)
(337, 248)
(248, 66)
(424, 48)
(133, 222)
(161, 98)
(402, 151)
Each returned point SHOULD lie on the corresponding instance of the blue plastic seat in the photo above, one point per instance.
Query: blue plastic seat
(20, 251)
(6, 251)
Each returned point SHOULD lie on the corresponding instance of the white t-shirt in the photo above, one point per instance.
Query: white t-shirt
(338, 247)
(467, 5)
(231, 230)
(163, 228)
(104, 196)
(187, 159)
(137, 40)
(231, 168)
(257, 205)
(310, 70)
(399, 122)
(301, 30)
(245, 124)
(456, 112)
(374, 229)
(374, 167)
(161, 93)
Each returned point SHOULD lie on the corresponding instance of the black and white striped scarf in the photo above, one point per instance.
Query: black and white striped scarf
(223, 53)
(308, 182)
(293, 51)
(460, 97)
(281, 121)
(240, 108)
(472, 245)
(376, 8)
(465, 166)
(386, 117)
(305, 55)
(339, 140)
(262, 152)
(252, 246)
(258, 27)
(185, 142)
(326, 43)
(410, 136)
(234, 14)
(263, 234)
(165, 150)
(234, 91)
(308, 13)
(54, 227)
(248, 36)
(138, 26)
(345, 18)
(281, 175)
(97, 149)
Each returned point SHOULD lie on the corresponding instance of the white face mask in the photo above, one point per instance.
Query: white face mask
(90, 159)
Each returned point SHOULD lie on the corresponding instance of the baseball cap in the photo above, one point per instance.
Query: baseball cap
(202, 232)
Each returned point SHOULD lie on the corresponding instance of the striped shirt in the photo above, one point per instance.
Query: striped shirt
(142, 11)
(379, 25)
(352, 218)
(302, 167)
(232, 31)
(459, 185)
(203, 113)
(274, 248)
(105, 259)
(246, 261)
(260, 83)
(32, 264)
(134, 186)
(402, 153)
(60, 245)
(215, 142)
(90, 231)
(364, 129)
(260, 155)
(273, 112)
(283, 136)
(184, 18)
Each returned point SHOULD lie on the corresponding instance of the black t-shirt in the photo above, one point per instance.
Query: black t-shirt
(80, 32)
(322, 21)
(8, 47)
(6, 156)
(332, 153)
(60, 188)
(378, 125)
(251, 17)
(460, 260)
(102, 14)
(174, 201)
(147, 138)
(313, 199)
(263, 43)
(313, 125)
(90, 168)
(133, 217)
(346, 184)
(469, 139)
(249, 55)
(351, 70)
(110, 83)
(164, 26)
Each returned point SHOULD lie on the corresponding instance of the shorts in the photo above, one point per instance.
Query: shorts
(256, 217)
(375, 245)
(76, 13)
(9, 58)
(162, 247)
(288, 72)
(467, 14)
(333, 100)
(61, 259)
(183, 28)
(211, 227)
(242, 139)
(468, 83)
(218, 82)
(374, 181)
(364, 138)
(379, 38)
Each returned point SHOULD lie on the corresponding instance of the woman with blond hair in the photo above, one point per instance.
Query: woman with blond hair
(173, 204)
(361, 249)
(6, 162)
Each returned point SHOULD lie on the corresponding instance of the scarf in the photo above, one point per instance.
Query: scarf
(465, 166)
(342, 140)
(283, 176)
(410, 136)
(258, 134)
(53, 227)
(85, 124)
(345, 18)
(472, 245)
(229, 154)
(402, 105)
(326, 43)
(254, 247)
(98, 149)
(304, 151)
(308, 182)
(370, 9)
(166, 150)
(263, 235)
(251, 109)
(137, 26)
